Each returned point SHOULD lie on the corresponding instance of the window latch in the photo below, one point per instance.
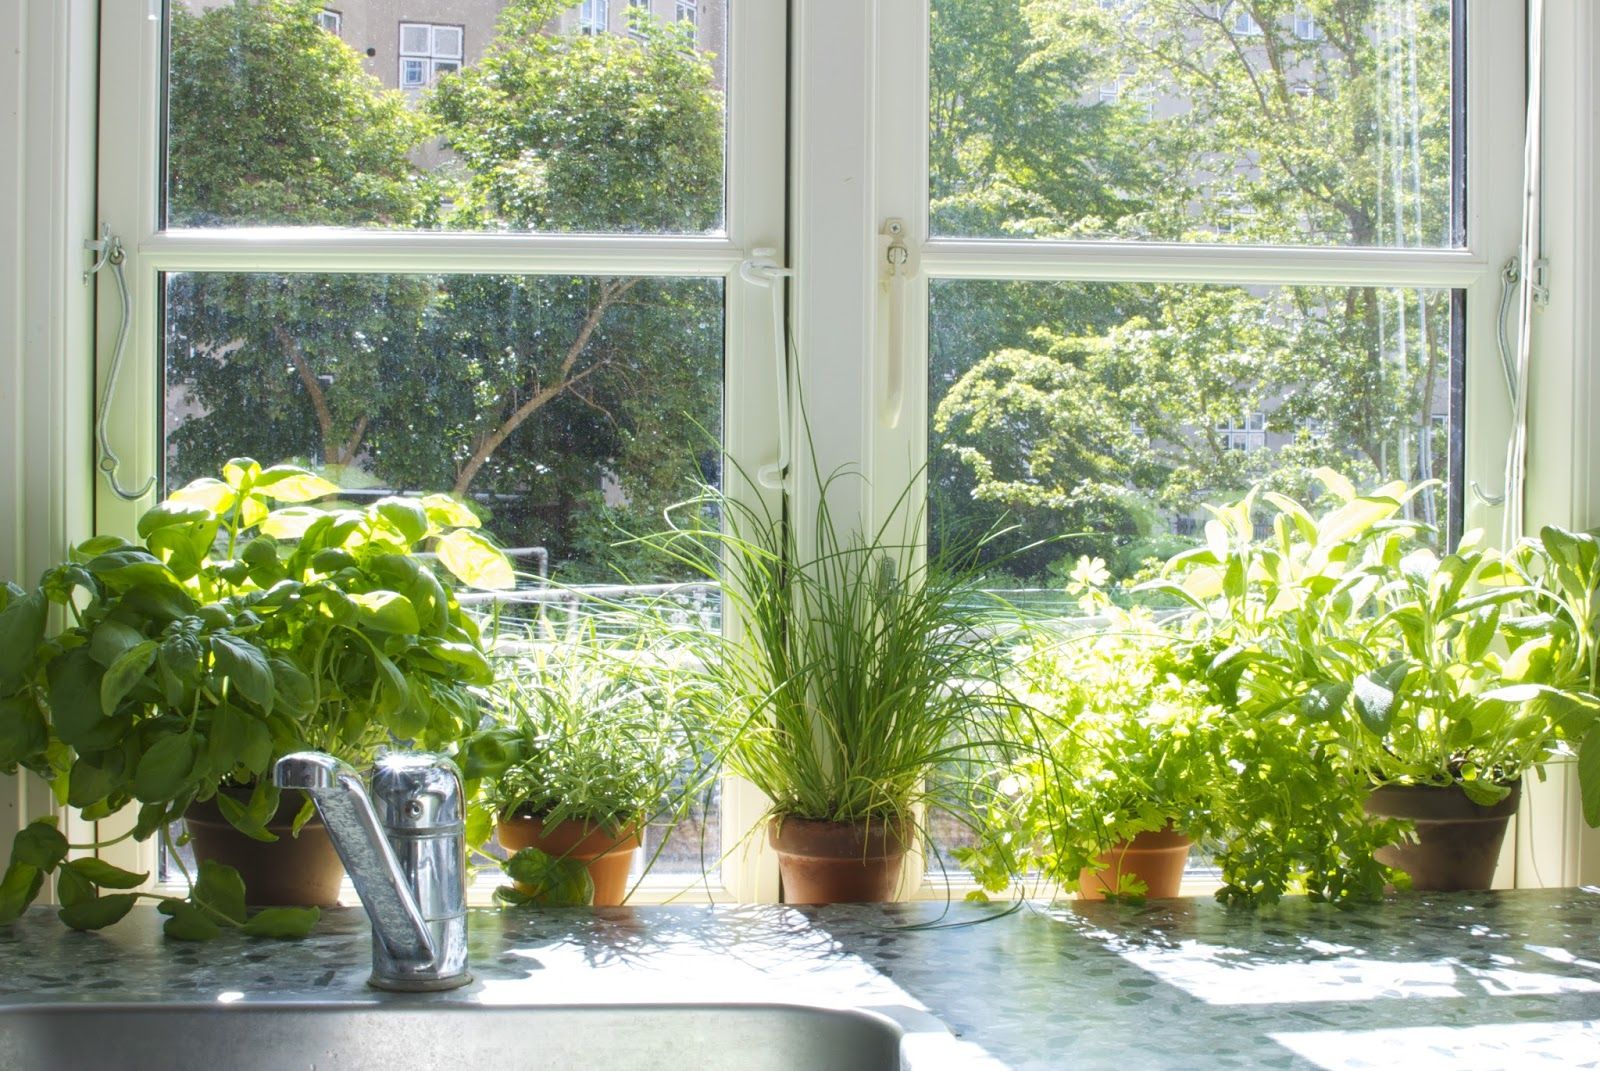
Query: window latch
(760, 269)
(897, 265)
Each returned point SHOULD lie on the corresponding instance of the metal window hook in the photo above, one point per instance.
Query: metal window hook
(108, 252)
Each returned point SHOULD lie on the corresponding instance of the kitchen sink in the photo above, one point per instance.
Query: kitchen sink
(387, 1037)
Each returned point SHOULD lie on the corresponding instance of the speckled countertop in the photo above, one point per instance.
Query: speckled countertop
(1481, 981)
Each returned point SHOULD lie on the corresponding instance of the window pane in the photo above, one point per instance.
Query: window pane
(1109, 414)
(1327, 123)
(565, 407)
(272, 121)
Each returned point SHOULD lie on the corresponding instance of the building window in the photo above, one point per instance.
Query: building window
(1249, 433)
(427, 51)
(331, 21)
(592, 17)
(689, 11)
(1109, 92)
(1305, 26)
(1245, 24)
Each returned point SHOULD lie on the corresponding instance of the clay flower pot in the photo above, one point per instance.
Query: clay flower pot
(608, 858)
(1457, 841)
(291, 871)
(838, 862)
(1156, 856)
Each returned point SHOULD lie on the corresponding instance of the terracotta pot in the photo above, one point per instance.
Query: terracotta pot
(1457, 841)
(291, 871)
(838, 862)
(609, 859)
(1156, 856)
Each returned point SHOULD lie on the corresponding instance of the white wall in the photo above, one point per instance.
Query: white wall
(47, 108)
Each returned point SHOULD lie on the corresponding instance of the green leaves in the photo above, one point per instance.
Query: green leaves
(1589, 775)
(98, 912)
(475, 561)
(165, 767)
(105, 875)
(545, 881)
(39, 844)
(284, 923)
(124, 673)
(21, 629)
(245, 667)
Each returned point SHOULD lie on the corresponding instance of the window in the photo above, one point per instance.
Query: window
(592, 17)
(1245, 433)
(1244, 22)
(427, 51)
(689, 11)
(1109, 92)
(330, 21)
(1305, 26)
(571, 382)
(1090, 327)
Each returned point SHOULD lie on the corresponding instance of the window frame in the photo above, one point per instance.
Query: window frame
(337, 29)
(432, 58)
(130, 182)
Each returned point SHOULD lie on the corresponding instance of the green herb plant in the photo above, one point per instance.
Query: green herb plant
(1114, 743)
(250, 623)
(854, 668)
(600, 729)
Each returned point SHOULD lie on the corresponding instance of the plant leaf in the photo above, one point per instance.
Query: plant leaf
(220, 888)
(39, 844)
(105, 875)
(98, 913)
(386, 611)
(23, 733)
(1376, 693)
(290, 483)
(21, 630)
(246, 667)
(164, 767)
(19, 888)
(1589, 775)
(287, 923)
(475, 561)
(187, 922)
(125, 673)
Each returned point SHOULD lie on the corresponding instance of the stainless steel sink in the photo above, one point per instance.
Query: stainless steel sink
(389, 1037)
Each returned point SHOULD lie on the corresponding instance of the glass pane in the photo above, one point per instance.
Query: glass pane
(569, 410)
(565, 407)
(1259, 121)
(1102, 417)
(521, 124)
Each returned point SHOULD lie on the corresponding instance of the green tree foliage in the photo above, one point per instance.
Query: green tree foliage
(1089, 407)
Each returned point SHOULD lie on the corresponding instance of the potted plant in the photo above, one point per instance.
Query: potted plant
(1352, 621)
(1116, 757)
(590, 739)
(241, 629)
(853, 669)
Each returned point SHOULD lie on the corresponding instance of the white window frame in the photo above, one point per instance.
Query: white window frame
(688, 11)
(130, 80)
(331, 20)
(1306, 27)
(436, 59)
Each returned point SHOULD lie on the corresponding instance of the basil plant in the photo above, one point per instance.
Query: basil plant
(254, 619)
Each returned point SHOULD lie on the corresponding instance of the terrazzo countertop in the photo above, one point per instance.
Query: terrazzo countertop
(1481, 981)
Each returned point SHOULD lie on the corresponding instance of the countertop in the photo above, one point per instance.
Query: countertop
(1480, 980)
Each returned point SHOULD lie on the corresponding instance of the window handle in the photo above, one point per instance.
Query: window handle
(762, 270)
(896, 267)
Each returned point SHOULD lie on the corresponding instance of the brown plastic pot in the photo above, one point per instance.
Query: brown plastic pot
(1457, 841)
(1157, 857)
(291, 871)
(837, 862)
(608, 858)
